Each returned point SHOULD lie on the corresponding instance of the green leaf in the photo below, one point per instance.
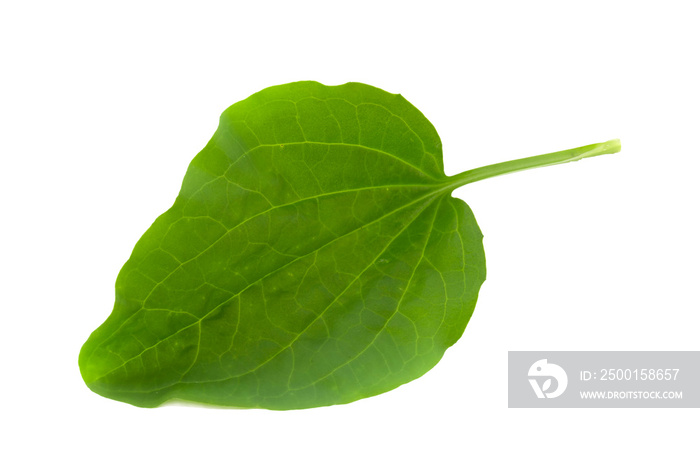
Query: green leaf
(314, 256)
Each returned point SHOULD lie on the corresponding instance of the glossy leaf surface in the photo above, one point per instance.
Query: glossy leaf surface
(314, 256)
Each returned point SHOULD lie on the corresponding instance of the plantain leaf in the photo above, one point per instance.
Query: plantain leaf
(314, 256)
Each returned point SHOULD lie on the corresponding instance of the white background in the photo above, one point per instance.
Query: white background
(103, 105)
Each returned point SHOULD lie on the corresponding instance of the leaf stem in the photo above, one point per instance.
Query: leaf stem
(554, 158)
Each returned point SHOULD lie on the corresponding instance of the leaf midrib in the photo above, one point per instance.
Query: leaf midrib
(440, 189)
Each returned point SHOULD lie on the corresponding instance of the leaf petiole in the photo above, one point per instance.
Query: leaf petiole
(554, 158)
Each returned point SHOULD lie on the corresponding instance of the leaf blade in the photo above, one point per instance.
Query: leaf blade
(205, 309)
